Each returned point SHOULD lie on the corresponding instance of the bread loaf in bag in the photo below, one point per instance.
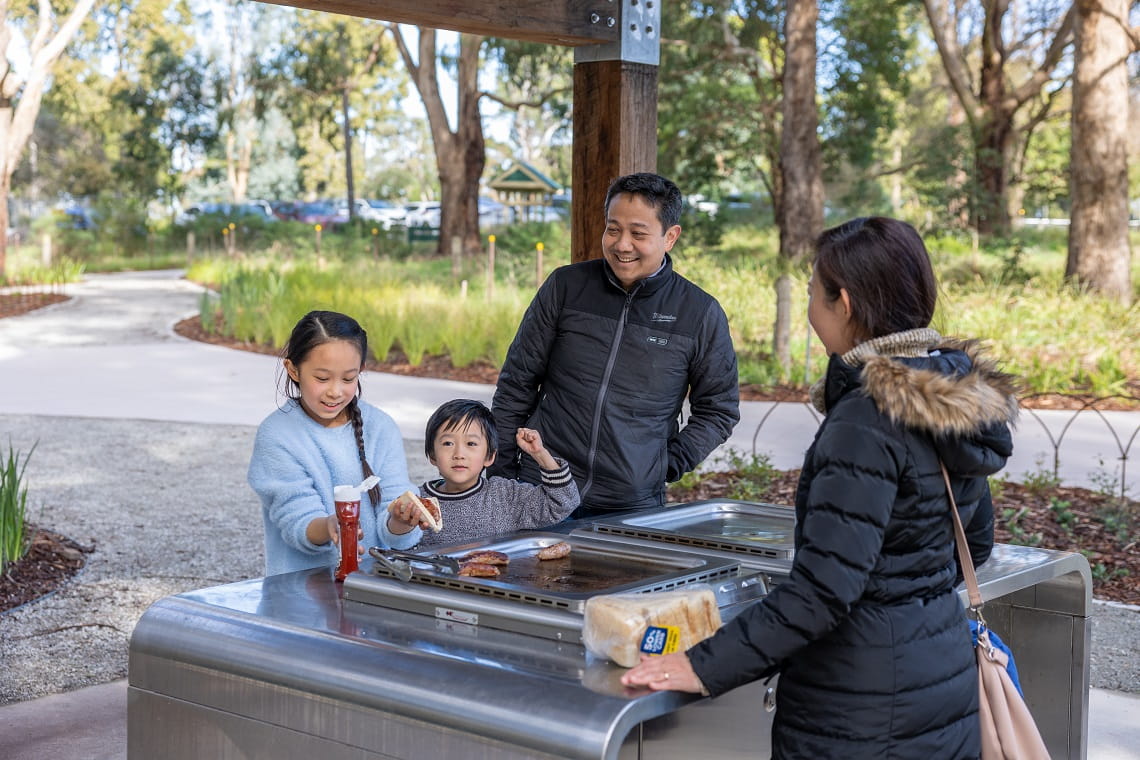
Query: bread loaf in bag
(615, 624)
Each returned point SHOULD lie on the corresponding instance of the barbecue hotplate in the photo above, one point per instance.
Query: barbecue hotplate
(745, 527)
(539, 597)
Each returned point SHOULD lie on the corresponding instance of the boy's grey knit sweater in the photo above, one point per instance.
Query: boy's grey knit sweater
(500, 505)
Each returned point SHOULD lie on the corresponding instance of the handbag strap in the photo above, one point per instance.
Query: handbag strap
(964, 558)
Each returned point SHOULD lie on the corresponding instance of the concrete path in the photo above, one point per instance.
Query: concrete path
(109, 354)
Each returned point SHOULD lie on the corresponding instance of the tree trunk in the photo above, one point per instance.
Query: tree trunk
(21, 95)
(800, 212)
(995, 130)
(459, 155)
(348, 153)
(1099, 251)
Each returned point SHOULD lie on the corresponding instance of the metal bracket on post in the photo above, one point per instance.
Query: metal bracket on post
(640, 23)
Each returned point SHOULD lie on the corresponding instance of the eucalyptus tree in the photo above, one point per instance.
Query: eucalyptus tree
(340, 67)
(1019, 49)
(1100, 256)
(460, 152)
(45, 37)
(740, 97)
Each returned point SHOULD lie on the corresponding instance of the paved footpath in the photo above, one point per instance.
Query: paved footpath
(128, 414)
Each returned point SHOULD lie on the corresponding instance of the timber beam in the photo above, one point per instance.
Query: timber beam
(556, 22)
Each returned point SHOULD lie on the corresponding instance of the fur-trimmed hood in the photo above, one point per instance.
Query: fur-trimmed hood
(954, 391)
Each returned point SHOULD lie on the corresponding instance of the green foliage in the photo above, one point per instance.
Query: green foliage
(753, 475)
(1041, 481)
(1018, 535)
(13, 506)
(1063, 513)
(260, 300)
(1055, 339)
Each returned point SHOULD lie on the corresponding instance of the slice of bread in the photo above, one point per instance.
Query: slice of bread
(428, 509)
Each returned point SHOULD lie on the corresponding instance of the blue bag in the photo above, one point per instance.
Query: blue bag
(1011, 668)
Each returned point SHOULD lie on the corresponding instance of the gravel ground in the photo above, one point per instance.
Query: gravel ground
(168, 510)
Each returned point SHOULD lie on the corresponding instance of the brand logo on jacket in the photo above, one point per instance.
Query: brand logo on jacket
(657, 340)
(663, 317)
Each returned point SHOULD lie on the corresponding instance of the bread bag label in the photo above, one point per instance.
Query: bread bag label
(660, 639)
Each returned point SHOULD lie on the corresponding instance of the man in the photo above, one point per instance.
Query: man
(606, 354)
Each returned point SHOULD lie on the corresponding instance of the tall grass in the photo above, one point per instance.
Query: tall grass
(13, 506)
(1011, 294)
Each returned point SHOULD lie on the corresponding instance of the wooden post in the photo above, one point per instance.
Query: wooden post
(190, 245)
(233, 239)
(615, 133)
(45, 250)
(317, 240)
(490, 267)
(463, 290)
(538, 264)
(456, 256)
(226, 240)
(375, 243)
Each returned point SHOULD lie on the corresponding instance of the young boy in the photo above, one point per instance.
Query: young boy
(461, 441)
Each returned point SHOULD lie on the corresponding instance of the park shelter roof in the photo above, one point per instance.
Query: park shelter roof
(522, 184)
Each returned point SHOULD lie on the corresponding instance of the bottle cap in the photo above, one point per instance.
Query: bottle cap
(346, 493)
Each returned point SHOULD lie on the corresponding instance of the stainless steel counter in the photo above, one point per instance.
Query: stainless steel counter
(285, 667)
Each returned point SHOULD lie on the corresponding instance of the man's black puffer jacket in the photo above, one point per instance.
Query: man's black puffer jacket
(867, 633)
(602, 375)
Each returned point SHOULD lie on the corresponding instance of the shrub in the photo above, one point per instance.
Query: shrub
(13, 506)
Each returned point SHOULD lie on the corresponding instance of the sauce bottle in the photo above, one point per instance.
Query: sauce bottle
(347, 501)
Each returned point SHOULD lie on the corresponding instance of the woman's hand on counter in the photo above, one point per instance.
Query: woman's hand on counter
(664, 672)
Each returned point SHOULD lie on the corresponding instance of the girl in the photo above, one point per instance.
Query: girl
(867, 632)
(322, 437)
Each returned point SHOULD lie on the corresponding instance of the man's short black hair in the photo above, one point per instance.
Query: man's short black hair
(657, 191)
(459, 414)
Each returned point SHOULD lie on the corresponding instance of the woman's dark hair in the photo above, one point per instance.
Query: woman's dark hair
(315, 329)
(655, 190)
(884, 266)
(458, 414)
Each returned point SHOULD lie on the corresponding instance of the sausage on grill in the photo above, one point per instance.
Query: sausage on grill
(554, 551)
(478, 570)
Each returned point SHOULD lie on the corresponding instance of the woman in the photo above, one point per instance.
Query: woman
(867, 633)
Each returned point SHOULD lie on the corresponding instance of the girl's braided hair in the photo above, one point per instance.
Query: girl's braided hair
(315, 329)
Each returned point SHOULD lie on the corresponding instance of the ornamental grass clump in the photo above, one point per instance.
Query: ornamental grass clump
(13, 505)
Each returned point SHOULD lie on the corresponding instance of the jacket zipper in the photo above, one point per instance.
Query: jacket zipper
(611, 360)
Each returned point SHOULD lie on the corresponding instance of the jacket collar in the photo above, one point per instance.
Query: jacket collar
(954, 390)
(644, 287)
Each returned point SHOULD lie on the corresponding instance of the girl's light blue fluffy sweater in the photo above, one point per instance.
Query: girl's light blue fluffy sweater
(295, 464)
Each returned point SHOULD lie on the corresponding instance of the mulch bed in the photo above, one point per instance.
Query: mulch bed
(51, 561)
(1103, 528)
(15, 304)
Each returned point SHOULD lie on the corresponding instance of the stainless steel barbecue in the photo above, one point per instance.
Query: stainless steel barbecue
(439, 666)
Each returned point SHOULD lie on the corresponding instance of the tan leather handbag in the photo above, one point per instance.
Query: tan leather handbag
(1008, 730)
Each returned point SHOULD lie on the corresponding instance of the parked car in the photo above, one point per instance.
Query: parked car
(389, 214)
(257, 209)
(323, 213)
(422, 214)
(492, 213)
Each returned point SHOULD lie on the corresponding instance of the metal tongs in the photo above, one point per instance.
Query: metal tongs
(399, 563)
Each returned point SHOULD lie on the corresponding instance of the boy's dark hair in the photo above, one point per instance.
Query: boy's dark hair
(886, 270)
(315, 329)
(459, 414)
(655, 190)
